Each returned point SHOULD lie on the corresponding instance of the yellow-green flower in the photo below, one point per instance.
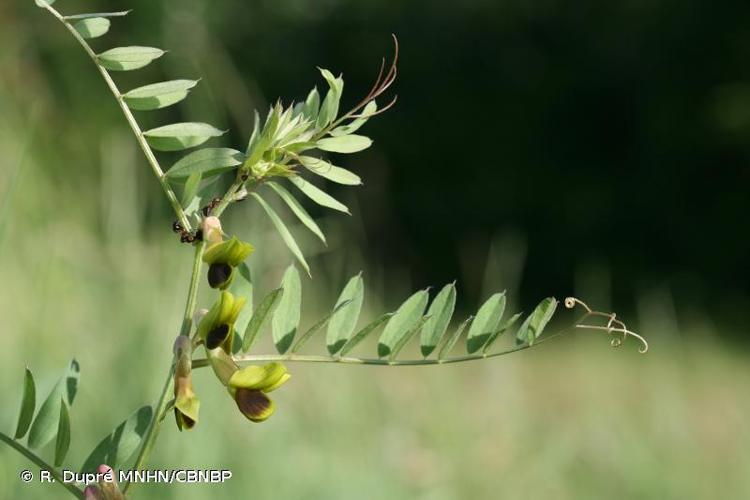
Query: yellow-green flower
(222, 257)
(215, 328)
(186, 404)
(249, 388)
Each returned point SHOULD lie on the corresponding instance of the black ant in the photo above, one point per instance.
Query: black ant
(187, 236)
(209, 208)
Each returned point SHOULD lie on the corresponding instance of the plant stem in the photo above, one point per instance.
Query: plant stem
(187, 323)
(72, 488)
(195, 276)
(147, 151)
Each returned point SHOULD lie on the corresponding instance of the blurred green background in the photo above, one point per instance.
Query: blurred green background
(546, 148)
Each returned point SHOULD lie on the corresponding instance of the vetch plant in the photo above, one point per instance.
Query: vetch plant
(288, 147)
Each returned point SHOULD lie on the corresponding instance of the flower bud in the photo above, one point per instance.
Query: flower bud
(108, 484)
(92, 493)
(212, 232)
(186, 404)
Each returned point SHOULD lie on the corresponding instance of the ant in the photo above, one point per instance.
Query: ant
(186, 236)
(211, 205)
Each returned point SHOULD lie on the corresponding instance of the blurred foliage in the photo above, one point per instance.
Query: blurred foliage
(546, 147)
(610, 136)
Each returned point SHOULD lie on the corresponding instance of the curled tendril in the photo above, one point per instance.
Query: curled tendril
(613, 326)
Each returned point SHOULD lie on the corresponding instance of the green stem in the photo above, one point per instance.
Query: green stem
(72, 488)
(195, 276)
(153, 162)
(229, 197)
(162, 406)
(187, 326)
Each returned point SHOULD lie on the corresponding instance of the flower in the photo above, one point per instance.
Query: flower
(216, 327)
(186, 404)
(222, 257)
(249, 387)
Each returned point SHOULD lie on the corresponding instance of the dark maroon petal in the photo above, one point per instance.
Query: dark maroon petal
(218, 274)
(217, 336)
(254, 404)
